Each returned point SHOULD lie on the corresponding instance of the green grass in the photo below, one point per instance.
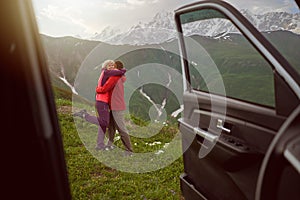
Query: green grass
(91, 179)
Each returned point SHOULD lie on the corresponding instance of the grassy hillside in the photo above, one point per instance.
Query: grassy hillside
(133, 59)
(65, 55)
(236, 60)
(245, 74)
(288, 43)
(92, 180)
(139, 106)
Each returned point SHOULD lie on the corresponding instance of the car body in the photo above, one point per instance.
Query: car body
(240, 127)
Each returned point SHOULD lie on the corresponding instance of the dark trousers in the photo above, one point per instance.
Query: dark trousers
(92, 119)
(117, 122)
(103, 120)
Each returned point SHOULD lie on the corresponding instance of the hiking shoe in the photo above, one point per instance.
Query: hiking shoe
(101, 148)
(110, 147)
(128, 154)
(81, 113)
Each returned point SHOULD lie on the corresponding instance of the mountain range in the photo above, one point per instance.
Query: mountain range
(149, 43)
(162, 28)
(72, 69)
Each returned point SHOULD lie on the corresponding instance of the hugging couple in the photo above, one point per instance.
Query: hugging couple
(110, 106)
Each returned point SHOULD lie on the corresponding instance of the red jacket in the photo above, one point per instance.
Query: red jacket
(104, 97)
(104, 76)
(115, 87)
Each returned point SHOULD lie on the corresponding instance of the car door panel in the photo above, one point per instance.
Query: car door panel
(216, 175)
(232, 154)
(256, 125)
(279, 174)
(255, 114)
(224, 139)
(283, 93)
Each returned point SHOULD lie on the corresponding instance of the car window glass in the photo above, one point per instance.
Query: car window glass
(245, 74)
(287, 43)
(281, 28)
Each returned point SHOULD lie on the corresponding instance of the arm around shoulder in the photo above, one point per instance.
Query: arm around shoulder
(109, 85)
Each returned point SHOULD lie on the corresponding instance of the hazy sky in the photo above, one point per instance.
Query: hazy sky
(85, 17)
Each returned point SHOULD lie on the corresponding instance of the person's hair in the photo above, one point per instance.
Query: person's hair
(119, 64)
(106, 63)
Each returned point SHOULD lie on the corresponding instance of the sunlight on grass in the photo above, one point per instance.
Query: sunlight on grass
(91, 179)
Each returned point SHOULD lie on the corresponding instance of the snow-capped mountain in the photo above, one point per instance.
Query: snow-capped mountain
(162, 28)
(107, 33)
(274, 21)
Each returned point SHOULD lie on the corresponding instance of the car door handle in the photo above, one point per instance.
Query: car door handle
(206, 135)
(220, 125)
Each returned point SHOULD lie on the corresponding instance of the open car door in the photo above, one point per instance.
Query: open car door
(240, 95)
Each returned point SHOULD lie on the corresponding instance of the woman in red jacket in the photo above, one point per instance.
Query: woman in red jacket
(102, 100)
(113, 90)
(115, 86)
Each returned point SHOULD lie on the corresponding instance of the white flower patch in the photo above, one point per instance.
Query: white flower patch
(117, 138)
(166, 145)
(165, 124)
(159, 152)
(154, 143)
